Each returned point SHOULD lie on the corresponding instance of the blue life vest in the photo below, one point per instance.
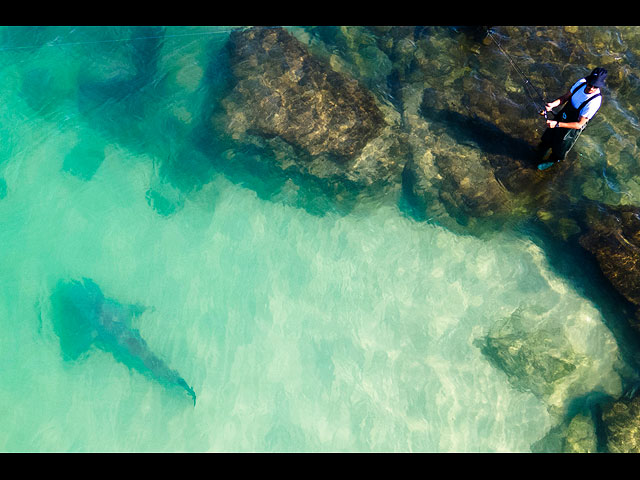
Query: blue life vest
(570, 113)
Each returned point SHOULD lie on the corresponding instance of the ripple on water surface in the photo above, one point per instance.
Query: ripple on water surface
(298, 331)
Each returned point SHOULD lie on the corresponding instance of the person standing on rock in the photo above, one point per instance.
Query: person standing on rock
(582, 102)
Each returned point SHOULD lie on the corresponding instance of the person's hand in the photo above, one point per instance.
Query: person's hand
(552, 123)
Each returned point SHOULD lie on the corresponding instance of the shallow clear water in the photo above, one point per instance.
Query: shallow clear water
(298, 331)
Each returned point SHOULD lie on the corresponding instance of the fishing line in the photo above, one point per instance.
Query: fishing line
(527, 83)
(130, 39)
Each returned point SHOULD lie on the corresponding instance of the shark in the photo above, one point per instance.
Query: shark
(83, 317)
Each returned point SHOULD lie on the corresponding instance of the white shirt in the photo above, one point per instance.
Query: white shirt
(590, 109)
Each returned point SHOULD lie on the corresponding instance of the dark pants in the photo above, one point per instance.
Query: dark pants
(559, 140)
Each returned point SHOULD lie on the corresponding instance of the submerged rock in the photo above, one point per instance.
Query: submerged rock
(581, 435)
(577, 435)
(482, 168)
(313, 119)
(535, 361)
(462, 178)
(543, 356)
(613, 237)
(291, 94)
(445, 174)
(622, 425)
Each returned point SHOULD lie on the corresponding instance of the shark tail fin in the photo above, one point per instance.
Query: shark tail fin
(189, 390)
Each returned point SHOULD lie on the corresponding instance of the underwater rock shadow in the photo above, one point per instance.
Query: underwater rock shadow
(508, 163)
(487, 136)
(118, 107)
(251, 167)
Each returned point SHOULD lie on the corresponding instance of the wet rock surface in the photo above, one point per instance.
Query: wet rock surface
(283, 90)
(577, 435)
(621, 420)
(313, 119)
(613, 237)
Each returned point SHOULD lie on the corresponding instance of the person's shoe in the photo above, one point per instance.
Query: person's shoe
(545, 165)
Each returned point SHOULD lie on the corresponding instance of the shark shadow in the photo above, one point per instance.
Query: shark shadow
(82, 317)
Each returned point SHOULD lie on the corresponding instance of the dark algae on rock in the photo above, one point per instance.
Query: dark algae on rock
(315, 125)
(287, 92)
(621, 420)
(613, 238)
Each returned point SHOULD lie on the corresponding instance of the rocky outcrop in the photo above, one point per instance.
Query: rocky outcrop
(462, 178)
(581, 435)
(621, 421)
(613, 237)
(313, 119)
(577, 435)
(291, 94)
(315, 115)
(481, 167)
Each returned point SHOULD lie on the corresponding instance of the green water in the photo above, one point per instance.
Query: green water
(299, 332)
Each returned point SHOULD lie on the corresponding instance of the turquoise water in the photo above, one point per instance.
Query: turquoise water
(299, 331)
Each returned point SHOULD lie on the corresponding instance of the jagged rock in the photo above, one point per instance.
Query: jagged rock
(289, 93)
(621, 420)
(461, 178)
(614, 239)
(479, 172)
(469, 184)
(313, 119)
(581, 435)
(578, 435)
(444, 173)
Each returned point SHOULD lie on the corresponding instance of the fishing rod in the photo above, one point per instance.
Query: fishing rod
(527, 82)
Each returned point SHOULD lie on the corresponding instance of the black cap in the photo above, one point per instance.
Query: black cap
(596, 77)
